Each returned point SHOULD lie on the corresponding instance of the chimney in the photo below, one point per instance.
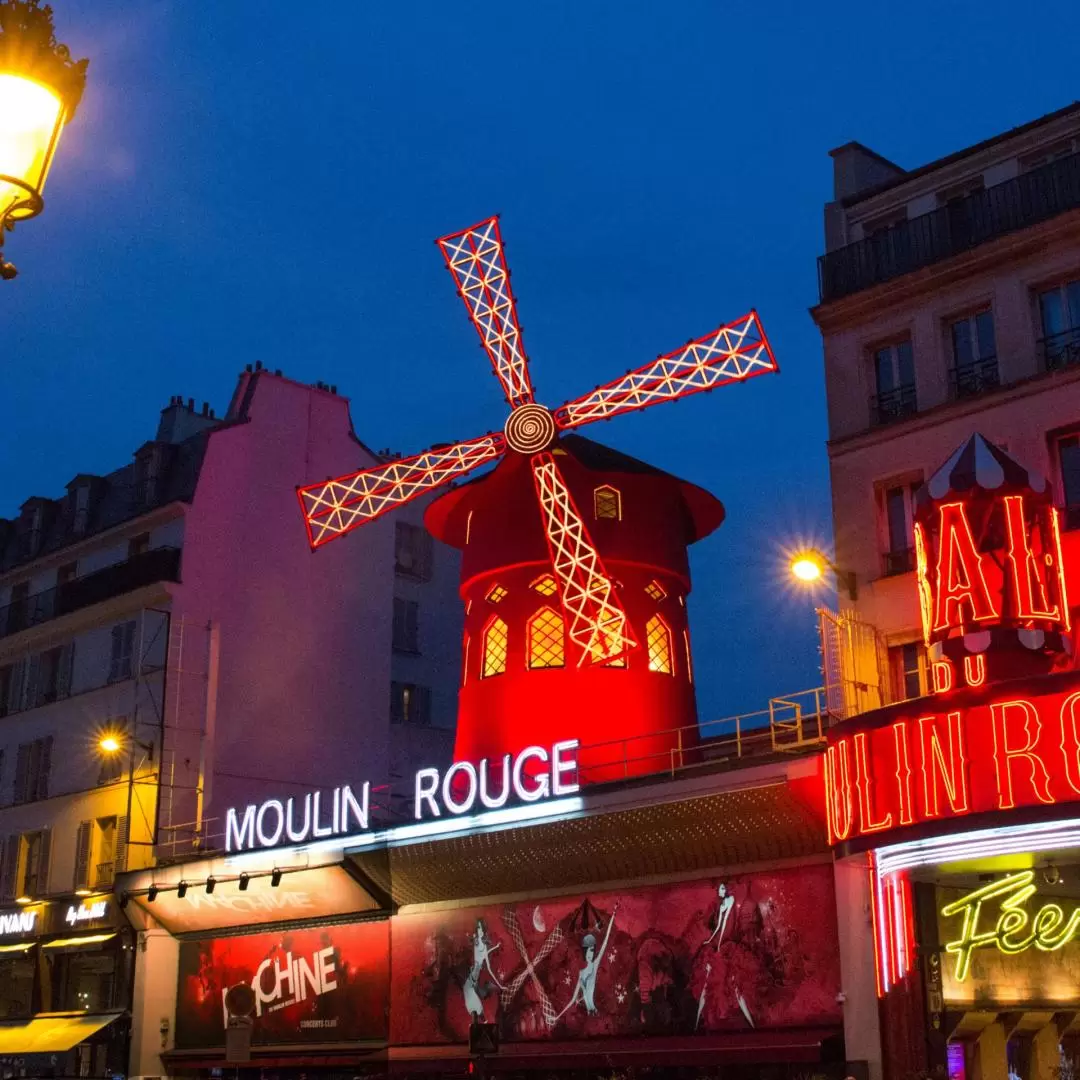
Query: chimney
(179, 421)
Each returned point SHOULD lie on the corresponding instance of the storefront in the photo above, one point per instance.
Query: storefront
(963, 804)
(65, 989)
(677, 925)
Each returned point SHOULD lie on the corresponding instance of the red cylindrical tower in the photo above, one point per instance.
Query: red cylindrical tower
(522, 680)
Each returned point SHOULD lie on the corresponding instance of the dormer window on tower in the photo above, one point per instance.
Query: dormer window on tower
(149, 466)
(607, 503)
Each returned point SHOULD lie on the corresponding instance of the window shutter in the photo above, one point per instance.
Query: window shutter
(44, 764)
(10, 868)
(82, 855)
(117, 652)
(120, 859)
(22, 773)
(16, 687)
(43, 862)
(33, 680)
(64, 666)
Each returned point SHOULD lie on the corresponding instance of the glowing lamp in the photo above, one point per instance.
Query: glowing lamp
(24, 900)
(40, 89)
(807, 567)
(109, 744)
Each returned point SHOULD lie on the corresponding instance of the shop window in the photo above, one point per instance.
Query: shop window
(496, 594)
(496, 641)
(546, 645)
(17, 983)
(545, 585)
(658, 645)
(656, 591)
(910, 671)
(82, 977)
(607, 503)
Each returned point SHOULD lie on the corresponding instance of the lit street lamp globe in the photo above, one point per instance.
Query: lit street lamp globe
(40, 89)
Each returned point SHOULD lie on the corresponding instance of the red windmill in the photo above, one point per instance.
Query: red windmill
(597, 621)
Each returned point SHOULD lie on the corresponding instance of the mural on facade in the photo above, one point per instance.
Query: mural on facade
(316, 985)
(732, 953)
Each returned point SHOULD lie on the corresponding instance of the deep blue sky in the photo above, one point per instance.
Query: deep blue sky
(263, 180)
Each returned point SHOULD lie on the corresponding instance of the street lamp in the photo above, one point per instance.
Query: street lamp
(40, 89)
(113, 742)
(809, 566)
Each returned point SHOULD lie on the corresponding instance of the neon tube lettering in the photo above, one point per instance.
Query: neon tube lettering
(493, 802)
(961, 582)
(543, 786)
(427, 784)
(270, 839)
(867, 824)
(1063, 595)
(1070, 741)
(922, 581)
(294, 834)
(357, 810)
(975, 669)
(838, 790)
(562, 762)
(467, 769)
(1004, 752)
(903, 772)
(1014, 931)
(952, 771)
(1023, 568)
(942, 674)
(239, 834)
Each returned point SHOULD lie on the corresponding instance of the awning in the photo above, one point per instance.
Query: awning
(50, 1034)
(23, 946)
(78, 942)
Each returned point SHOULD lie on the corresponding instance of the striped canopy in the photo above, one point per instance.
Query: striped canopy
(978, 465)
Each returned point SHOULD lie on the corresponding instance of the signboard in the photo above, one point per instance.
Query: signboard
(326, 984)
(731, 953)
(1011, 941)
(975, 752)
(534, 774)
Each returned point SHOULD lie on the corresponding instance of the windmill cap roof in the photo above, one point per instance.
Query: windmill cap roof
(979, 465)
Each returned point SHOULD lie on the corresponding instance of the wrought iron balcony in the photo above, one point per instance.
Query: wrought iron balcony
(1025, 200)
(157, 564)
(899, 562)
(968, 380)
(1060, 350)
(893, 405)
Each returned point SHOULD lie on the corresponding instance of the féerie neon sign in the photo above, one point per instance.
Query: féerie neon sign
(534, 774)
(1015, 930)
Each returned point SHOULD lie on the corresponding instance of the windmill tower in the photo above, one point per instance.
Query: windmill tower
(584, 546)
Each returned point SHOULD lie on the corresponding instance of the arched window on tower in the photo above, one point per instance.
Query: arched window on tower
(495, 644)
(607, 503)
(547, 648)
(658, 643)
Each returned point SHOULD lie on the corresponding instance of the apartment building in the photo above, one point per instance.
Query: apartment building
(169, 645)
(949, 304)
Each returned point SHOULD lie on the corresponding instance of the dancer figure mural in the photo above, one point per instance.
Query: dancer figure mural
(705, 956)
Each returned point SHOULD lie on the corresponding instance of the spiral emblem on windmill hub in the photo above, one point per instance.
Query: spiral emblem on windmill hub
(530, 429)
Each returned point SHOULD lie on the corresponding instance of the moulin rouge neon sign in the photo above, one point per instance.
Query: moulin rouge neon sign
(924, 761)
(534, 774)
(1015, 929)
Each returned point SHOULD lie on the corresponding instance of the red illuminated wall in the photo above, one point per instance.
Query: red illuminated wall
(496, 522)
(775, 964)
(972, 752)
(354, 1007)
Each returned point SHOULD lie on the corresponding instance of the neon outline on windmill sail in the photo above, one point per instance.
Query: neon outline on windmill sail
(476, 259)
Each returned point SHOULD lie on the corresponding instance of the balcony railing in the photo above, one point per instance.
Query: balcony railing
(893, 405)
(1060, 350)
(969, 380)
(1025, 200)
(104, 873)
(157, 564)
(899, 562)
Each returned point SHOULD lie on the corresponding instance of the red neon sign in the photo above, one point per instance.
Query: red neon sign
(916, 763)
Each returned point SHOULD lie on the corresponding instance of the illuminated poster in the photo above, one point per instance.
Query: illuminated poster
(322, 984)
(731, 953)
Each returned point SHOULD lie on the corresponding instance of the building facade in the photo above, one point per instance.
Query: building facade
(152, 671)
(950, 316)
(949, 304)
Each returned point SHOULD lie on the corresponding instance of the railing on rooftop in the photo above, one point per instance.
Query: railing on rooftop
(959, 226)
(157, 564)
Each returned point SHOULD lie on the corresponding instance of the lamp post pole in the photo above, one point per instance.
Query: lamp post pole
(40, 89)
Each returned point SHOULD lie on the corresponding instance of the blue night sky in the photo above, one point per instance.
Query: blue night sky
(263, 180)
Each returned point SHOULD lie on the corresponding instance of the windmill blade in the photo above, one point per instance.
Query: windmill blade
(598, 623)
(335, 507)
(477, 261)
(733, 353)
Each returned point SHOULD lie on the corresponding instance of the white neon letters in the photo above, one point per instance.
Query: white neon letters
(534, 774)
(264, 825)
